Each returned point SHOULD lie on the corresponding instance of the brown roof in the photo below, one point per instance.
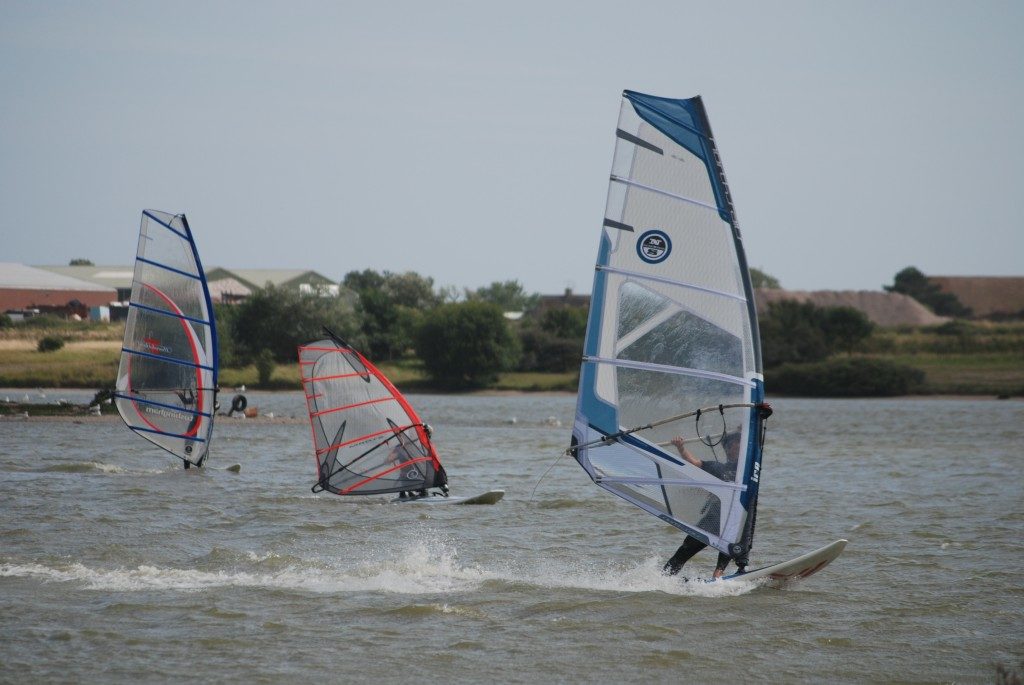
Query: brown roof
(985, 295)
(24, 286)
(882, 308)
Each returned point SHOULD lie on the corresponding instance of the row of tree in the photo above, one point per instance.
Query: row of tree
(463, 339)
(800, 332)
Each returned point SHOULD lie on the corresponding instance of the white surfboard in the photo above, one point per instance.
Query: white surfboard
(780, 575)
(489, 497)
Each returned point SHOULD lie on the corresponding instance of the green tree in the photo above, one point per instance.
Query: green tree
(381, 329)
(78, 261)
(760, 279)
(391, 307)
(910, 281)
(361, 281)
(542, 351)
(50, 343)
(227, 350)
(466, 345)
(565, 322)
(264, 367)
(800, 332)
(509, 295)
(554, 343)
(845, 328)
(447, 294)
(792, 331)
(280, 319)
(411, 290)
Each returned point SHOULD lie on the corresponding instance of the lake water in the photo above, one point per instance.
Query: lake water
(116, 565)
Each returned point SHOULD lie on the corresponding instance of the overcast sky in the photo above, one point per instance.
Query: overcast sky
(472, 141)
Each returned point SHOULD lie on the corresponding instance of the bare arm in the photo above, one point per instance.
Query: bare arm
(685, 453)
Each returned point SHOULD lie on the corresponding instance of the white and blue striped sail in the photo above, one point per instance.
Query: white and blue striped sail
(672, 330)
(167, 379)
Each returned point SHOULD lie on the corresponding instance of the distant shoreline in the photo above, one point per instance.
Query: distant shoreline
(11, 412)
(967, 360)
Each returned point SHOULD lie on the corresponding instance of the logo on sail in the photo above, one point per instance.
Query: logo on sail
(153, 345)
(654, 246)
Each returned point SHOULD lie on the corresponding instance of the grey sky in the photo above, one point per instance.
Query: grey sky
(472, 141)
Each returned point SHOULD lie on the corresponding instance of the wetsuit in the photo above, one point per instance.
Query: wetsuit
(441, 480)
(710, 519)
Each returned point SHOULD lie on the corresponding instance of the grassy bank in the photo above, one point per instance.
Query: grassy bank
(93, 364)
(969, 374)
(86, 364)
(71, 331)
(957, 359)
(407, 375)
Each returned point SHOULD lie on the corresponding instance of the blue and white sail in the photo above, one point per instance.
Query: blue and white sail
(167, 379)
(672, 345)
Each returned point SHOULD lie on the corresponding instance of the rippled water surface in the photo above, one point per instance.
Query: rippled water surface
(116, 565)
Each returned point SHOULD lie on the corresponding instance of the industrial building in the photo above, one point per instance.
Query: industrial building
(27, 289)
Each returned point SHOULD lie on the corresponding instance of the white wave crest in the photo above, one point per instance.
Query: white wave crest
(646, 576)
(422, 568)
(417, 570)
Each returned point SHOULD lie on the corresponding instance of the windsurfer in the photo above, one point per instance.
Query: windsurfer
(710, 518)
(399, 455)
(440, 476)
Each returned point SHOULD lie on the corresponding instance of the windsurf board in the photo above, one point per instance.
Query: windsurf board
(786, 572)
(489, 497)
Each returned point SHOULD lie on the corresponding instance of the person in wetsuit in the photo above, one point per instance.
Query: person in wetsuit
(440, 476)
(712, 510)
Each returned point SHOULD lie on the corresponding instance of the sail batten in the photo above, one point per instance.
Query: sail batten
(683, 371)
(661, 482)
(331, 378)
(672, 329)
(165, 224)
(324, 450)
(167, 378)
(638, 141)
(669, 281)
(169, 360)
(388, 471)
(352, 406)
(659, 191)
(169, 268)
(165, 312)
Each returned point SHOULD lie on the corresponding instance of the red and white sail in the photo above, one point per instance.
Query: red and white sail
(167, 379)
(366, 437)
